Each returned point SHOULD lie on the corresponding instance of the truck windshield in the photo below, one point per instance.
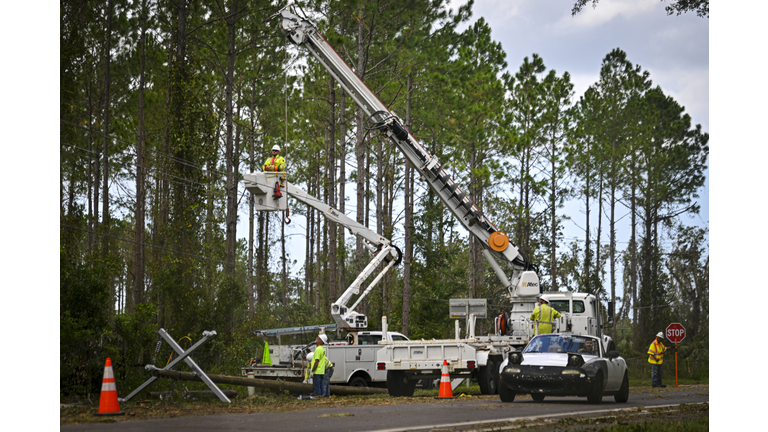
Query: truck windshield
(562, 344)
(562, 305)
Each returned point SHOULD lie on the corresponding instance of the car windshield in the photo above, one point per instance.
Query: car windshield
(554, 343)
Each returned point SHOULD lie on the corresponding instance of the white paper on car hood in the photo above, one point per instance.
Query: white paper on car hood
(545, 359)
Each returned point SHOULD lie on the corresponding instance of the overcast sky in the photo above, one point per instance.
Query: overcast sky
(674, 49)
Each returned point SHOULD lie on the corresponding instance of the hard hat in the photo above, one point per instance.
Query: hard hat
(275, 147)
(324, 338)
(541, 297)
(310, 355)
(660, 334)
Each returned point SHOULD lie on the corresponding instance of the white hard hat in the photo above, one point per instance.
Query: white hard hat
(660, 334)
(275, 147)
(310, 355)
(541, 297)
(324, 338)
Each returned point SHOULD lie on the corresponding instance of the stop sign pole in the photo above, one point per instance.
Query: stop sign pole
(675, 333)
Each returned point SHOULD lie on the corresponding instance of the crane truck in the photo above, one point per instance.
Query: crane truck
(476, 357)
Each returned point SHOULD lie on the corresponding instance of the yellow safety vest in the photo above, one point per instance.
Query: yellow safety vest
(318, 355)
(656, 352)
(275, 163)
(545, 314)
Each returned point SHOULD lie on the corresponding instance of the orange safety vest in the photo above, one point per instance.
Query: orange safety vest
(656, 352)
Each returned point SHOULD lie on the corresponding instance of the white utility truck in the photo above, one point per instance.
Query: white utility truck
(354, 359)
(476, 357)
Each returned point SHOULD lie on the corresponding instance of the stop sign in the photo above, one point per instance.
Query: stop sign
(675, 332)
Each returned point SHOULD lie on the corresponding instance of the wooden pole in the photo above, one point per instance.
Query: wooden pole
(270, 384)
(676, 363)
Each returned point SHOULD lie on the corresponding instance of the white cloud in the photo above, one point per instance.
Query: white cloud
(605, 12)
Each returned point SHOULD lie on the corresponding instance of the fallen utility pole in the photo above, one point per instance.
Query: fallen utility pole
(270, 384)
(189, 394)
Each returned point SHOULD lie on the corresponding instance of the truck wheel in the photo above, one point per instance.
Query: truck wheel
(623, 395)
(595, 395)
(487, 379)
(505, 394)
(537, 397)
(358, 382)
(399, 385)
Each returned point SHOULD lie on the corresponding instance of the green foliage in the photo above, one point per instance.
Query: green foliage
(83, 325)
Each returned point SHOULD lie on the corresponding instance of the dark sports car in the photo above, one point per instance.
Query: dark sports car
(565, 364)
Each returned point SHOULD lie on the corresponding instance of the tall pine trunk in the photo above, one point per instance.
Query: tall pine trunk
(231, 218)
(138, 260)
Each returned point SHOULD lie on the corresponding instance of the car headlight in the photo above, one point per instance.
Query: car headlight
(575, 360)
(570, 372)
(511, 370)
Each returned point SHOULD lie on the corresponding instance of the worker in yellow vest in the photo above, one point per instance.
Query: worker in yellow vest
(327, 376)
(656, 359)
(275, 162)
(545, 314)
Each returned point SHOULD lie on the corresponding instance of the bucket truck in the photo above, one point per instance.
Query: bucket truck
(475, 357)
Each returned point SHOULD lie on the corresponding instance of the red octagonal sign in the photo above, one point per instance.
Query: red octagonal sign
(675, 332)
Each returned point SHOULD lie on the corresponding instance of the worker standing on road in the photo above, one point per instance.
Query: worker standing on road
(327, 376)
(275, 162)
(318, 365)
(656, 359)
(545, 314)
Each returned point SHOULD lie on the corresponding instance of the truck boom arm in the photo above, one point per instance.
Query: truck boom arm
(260, 184)
(301, 31)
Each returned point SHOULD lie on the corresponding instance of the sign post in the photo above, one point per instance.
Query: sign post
(675, 333)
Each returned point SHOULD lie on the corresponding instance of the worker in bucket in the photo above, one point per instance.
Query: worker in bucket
(273, 164)
(545, 314)
(656, 359)
(318, 365)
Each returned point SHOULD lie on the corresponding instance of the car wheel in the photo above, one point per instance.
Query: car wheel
(623, 395)
(358, 382)
(537, 397)
(596, 394)
(485, 378)
(398, 384)
(505, 394)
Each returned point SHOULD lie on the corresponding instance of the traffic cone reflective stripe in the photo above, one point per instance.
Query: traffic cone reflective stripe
(108, 404)
(446, 392)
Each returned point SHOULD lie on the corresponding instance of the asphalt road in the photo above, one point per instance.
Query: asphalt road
(456, 412)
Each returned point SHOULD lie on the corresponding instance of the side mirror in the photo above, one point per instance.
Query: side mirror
(612, 354)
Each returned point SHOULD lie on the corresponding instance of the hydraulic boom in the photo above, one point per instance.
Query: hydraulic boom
(496, 244)
(260, 184)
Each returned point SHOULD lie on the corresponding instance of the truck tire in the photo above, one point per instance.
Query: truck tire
(487, 378)
(537, 397)
(399, 385)
(595, 395)
(623, 395)
(358, 382)
(505, 394)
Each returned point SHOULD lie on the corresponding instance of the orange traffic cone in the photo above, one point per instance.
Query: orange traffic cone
(108, 404)
(446, 392)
